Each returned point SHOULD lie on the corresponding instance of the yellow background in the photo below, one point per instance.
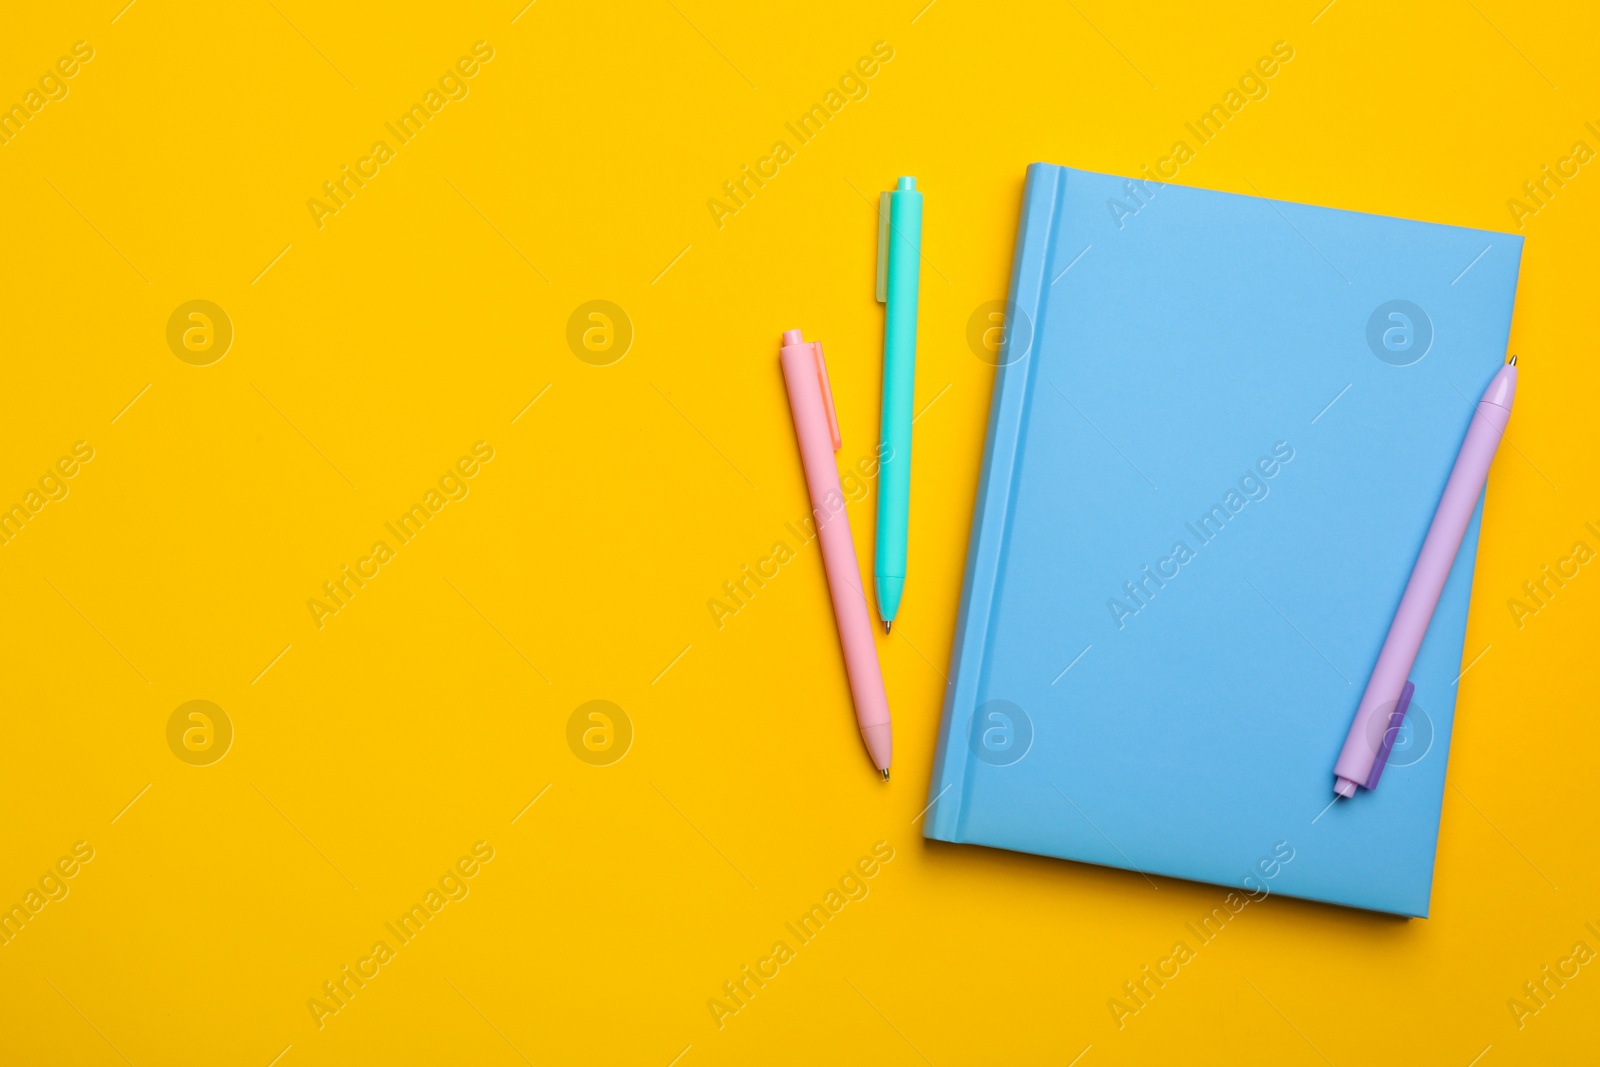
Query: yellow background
(425, 715)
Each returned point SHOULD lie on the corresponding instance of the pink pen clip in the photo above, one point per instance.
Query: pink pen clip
(827, 389)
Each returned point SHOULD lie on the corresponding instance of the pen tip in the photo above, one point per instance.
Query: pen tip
(1513, 361)
(886, 624)
(886, 774)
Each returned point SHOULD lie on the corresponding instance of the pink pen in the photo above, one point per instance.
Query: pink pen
(1383, 705)
(816, 425)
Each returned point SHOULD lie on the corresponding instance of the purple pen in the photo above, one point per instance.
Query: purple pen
(1383, 705)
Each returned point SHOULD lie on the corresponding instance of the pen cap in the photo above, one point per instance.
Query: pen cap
(791, 340)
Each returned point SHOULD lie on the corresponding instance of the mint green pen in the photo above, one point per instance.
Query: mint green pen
(899, 272)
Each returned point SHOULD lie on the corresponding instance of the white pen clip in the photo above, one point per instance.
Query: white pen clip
(885, 202)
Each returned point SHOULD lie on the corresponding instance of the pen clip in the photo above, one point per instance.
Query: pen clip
(885, 201)
(827, 396)
(1390, 733)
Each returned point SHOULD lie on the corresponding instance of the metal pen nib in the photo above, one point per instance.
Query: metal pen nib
(886, 624)
(886, 774)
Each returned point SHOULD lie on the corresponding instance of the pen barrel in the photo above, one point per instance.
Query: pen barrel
(1428, 577)
(801, 373)
(899, 388)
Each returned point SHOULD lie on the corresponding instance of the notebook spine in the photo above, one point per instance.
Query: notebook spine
(1042, 194)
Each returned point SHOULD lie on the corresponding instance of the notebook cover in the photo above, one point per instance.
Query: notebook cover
(1212, 455)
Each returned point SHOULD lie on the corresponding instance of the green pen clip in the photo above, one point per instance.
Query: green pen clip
(885, 202)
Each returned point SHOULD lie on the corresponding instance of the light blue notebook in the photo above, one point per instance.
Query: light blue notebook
(1219, 430)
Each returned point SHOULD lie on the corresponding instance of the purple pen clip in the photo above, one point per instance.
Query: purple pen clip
(1396, 717)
